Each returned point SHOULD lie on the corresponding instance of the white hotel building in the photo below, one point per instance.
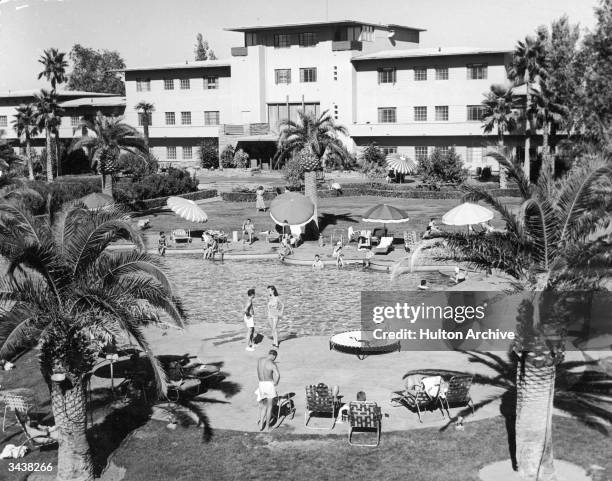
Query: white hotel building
(374, 79)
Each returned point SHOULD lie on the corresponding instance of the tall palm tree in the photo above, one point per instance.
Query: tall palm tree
(54, 64)
(26, 128)
(314, 138)
(48, 118)
(66, 293)
(555, 242)
(111, 137)
(145, 109)
(499, 115)
(527, 67)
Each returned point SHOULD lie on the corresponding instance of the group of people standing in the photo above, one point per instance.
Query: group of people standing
(275, 310)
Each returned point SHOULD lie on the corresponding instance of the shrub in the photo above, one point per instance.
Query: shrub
(227, 157)
(442, 166)
(372, 154)
(61, 191)
(241, 159)
(174, 182)
(137, 166)
(208, 152)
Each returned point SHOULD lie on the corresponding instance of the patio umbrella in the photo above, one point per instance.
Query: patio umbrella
(400, 163)
(97, 200)
(385, 214)
(467, 214)
(187, 209)
(292, 208)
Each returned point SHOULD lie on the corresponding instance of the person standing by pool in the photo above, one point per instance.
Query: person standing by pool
(338, 255)
(367, 260)
(162, 243)
(275, 312)
(249, 319)
(268, 377)
(260, 204)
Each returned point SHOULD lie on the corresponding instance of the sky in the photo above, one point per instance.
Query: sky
(152, 32)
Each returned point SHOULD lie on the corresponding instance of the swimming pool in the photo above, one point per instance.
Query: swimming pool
(316, 302)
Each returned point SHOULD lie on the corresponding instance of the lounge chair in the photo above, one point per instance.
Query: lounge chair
(352, 235)
(385, 245)
(377, 234)
(320, 400)
(180, 235)
(415, 400)
(364, 416)
(411, 239)
(297, 231)
(365, 240)
(456, 393)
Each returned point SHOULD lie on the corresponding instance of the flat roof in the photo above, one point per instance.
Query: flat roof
(428, 52)
(60, 93)
(94, 102)
(184, 65)
(388, 26)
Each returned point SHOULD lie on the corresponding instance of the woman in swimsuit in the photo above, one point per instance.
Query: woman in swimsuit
(275, 312)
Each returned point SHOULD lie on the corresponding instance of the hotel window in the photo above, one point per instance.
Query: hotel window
(282, 76)
(211, 117)
(389, 150)
(367, 34)
(74, 121)
(185, 84)
(171, 153)
(420, 114)
(386, 75)
(211, 83)
(141, 117)
(250, 39)
(168, 84)
(143, 85)
(443, 150)
(442, 112)
(475, 113)
(441, 73)
(185, 118)
(420, 73)
(387, 115)
(187, 152)
(282, 40)
(308, 39)
(3, 121)
(170, 118)
(474, 155)
(308, 74)
(420, 153)
(279, 112)
(477, 71)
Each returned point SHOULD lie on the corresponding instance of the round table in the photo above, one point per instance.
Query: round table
(362, 344)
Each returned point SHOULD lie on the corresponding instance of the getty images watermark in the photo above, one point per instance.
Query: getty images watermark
(484, 320)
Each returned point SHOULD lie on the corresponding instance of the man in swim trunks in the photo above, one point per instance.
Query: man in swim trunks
(268, 375)
(249, 319)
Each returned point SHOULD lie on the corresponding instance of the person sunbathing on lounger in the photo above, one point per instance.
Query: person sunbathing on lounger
(268, 376)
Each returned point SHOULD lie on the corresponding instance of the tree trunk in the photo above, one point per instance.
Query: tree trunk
(534, 406)
(527, 160)
(549, 163)
(58, 158)
(29, 161)
(107, 184)
(50, 154)
(145, 127)
(310, 191)
(74, 462)
(503, 178)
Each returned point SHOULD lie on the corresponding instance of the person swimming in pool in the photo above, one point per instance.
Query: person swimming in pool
(317, 264)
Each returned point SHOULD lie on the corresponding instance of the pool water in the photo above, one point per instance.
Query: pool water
(316, 302)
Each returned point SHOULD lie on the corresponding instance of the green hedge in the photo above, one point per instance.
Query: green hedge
(161, 201)
(62, 190)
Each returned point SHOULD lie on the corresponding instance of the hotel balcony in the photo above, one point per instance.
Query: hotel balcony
(239, 51)
(340, 45)
(416, 129)
(248, 132)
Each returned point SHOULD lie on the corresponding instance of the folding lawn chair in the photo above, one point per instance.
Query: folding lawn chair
(457, 393)
(364, 416)
(320, 400)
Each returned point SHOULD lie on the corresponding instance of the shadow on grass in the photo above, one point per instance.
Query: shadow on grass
(326, 220)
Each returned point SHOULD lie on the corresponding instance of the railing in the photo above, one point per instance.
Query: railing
(246, 129)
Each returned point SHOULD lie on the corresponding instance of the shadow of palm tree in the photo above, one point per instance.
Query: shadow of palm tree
(326, 220)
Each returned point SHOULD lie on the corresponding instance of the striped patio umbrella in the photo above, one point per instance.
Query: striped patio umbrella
(187, 209)
(292, 208)
(385, 214)
(400, 163)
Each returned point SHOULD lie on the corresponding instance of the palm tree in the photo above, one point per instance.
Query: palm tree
(26, 128)
(555, 242)
(54, 64)
(112, 136)
(528, 66)
(48, 118)
(314, 138)
(7, 155)
(64, 292)
(145, 109)
(499, 115)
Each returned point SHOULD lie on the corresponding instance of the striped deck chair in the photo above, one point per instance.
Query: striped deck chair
(457, 394)
(364, 416)
(415, 400)
(320, 400)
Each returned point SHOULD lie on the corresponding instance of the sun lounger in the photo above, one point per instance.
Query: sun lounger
(414, 399)
(364, 416)
(180, 235)
(320, 400)
(385, 245)
(365, 240)
(377, 234)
